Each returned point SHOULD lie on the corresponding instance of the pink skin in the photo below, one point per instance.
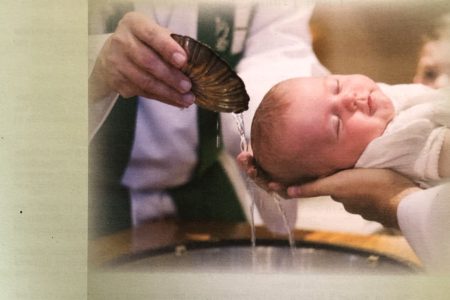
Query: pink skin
(141, 59)
(331, 120)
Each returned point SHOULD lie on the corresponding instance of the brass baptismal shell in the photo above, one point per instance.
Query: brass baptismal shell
(215, 85)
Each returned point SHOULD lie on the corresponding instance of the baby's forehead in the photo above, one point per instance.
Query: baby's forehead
(298, 85)
(304, 81)
(301, 89)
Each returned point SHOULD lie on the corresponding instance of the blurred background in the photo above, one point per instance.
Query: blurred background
(381, 39)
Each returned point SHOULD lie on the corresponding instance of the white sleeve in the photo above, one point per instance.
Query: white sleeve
(101, 98)
(95, 44)
(424, 219)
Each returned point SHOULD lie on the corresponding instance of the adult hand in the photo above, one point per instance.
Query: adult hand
(372, 193)
(247, 164)
(140, 58)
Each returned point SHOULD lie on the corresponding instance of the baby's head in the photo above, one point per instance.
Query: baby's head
(307, 128)
(433, 67)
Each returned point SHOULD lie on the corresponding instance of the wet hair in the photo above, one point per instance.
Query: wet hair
(267, 132)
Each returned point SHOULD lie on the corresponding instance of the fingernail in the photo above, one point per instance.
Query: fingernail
(293, 191)
(273, 187)
(185, 85)
(178, 59)
(188, 98)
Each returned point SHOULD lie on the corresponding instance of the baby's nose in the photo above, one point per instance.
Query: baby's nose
(354, 101)
(349, 102)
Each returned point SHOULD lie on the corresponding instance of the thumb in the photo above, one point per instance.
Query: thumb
(319, 187)
(330, 185)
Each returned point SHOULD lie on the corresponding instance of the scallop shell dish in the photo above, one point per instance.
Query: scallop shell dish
(215, 85)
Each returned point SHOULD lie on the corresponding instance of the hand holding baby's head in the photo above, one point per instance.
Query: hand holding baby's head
(248, 164)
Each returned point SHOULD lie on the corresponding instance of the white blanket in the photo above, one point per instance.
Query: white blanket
(412, 141)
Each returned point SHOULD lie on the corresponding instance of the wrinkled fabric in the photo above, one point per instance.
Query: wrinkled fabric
(412, 142)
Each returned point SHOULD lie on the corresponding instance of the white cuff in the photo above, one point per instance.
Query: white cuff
(148, 205)
(424, 219)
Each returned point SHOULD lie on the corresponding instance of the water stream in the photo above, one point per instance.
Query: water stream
(239, 118)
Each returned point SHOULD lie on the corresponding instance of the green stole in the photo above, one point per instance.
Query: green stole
(210, 195)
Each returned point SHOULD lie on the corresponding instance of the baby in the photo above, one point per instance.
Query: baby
(306, 128)
(433, 67)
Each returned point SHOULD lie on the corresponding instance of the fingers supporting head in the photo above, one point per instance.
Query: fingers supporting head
(244, 158)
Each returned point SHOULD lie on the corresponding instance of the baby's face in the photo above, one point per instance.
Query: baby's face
(433, 68)
(332, 119)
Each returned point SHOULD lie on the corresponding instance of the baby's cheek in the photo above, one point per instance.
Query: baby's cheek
(361, 134)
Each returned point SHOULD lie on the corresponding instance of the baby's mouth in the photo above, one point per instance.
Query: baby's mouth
(370, 104)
